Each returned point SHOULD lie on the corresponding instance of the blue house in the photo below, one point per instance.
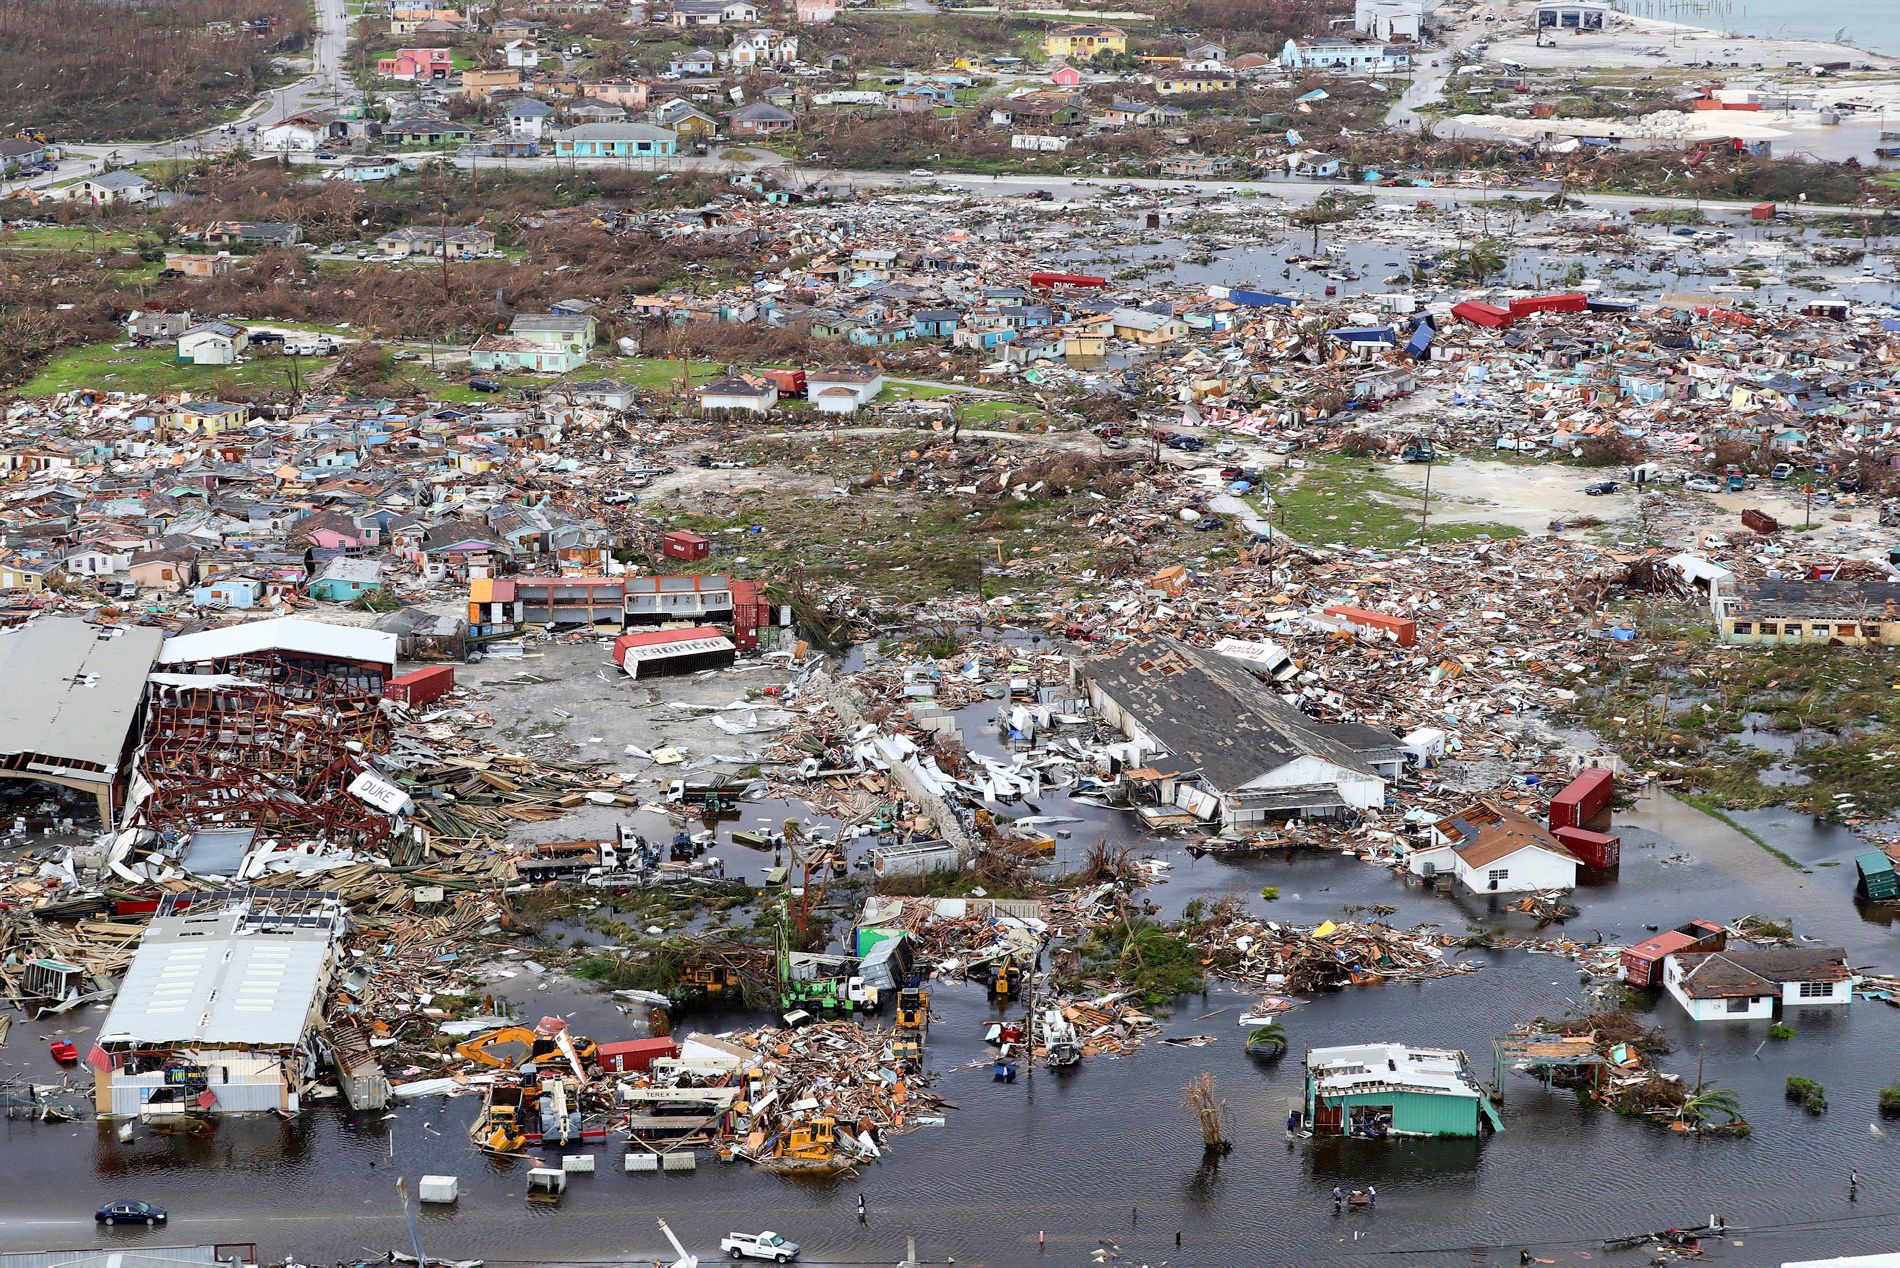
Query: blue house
(933, 323)
(228, 592)
(879, 336)
(344, 580)
(616, 140)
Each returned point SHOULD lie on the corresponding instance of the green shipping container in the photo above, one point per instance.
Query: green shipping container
(1878, 880)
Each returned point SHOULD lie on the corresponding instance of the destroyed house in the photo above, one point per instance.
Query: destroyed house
(1374, 1090)
(1752, 985)
(1849, 613)
(1221, 745)
(219, 1009)
(71, 695)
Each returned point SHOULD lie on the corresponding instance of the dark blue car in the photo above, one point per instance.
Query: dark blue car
(127, 1212)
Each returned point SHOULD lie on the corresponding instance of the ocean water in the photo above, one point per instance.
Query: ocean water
(1873, 25)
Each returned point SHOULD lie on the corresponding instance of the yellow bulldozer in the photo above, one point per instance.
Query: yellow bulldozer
(809, 1146)
(913, 1008)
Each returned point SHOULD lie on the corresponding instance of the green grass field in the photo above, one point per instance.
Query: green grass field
(66, 238)
(114, 368)
(1344, 500)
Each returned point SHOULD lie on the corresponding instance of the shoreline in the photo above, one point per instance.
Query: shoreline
(1685, 43)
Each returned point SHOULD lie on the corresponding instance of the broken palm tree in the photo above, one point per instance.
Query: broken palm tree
(1212, 1113)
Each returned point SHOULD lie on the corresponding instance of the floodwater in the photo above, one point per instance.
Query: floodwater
(1106, 1151)
(1873, 25)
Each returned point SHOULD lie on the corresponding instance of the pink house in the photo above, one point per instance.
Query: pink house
(415, 63)
(1064, 75)
(817, 10)
(330, 530)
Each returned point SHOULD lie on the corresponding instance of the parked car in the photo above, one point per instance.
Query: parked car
(129, 1212)
(483, 385)
(1702, 484)
(1782, 471)
(63, 1052)
(1601, 487)
(767, 1245)
(921, 171)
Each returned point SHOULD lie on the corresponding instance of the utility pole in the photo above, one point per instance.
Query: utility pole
(1029, 1029)
(1425, 504)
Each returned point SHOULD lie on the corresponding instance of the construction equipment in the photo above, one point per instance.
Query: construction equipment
(685, 1260)
(540, 1044)
(1007, 982)
(907, 1050)
(913, 1008)
(707, 979)
(1061, 1045)
(808, 1146)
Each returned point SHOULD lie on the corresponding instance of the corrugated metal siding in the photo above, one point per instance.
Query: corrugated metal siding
(1419, 1113)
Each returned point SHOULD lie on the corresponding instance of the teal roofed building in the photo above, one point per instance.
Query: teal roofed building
(1376, 1090)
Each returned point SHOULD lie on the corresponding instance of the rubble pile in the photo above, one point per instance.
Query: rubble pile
(1267, 955)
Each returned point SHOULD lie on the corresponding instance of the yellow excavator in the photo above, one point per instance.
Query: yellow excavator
(1008, 980)
(579, 1052)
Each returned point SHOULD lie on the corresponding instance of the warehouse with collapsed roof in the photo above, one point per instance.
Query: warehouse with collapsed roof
(70, 700)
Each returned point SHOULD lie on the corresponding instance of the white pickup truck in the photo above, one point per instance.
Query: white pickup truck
(759, 1246)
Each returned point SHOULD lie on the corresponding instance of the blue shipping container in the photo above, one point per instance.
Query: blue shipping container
(1259, 299)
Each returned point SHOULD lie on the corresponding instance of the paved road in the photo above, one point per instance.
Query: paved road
(1082, 188)
(326, 85)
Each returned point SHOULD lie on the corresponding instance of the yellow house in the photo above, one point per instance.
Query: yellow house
(15, 575)
(206, 418)
(1180, 83)
(473, 463)
(1079, 41)
(482, 83)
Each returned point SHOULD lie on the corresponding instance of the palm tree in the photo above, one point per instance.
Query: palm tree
(1476, 262)
(1708, 1100)
(1267, 1041)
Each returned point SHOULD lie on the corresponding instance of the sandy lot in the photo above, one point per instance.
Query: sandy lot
(1669, 46)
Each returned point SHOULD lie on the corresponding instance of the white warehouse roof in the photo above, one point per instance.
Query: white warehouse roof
(283, 634)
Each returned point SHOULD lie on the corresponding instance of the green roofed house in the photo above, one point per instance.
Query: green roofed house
(1393, 1089)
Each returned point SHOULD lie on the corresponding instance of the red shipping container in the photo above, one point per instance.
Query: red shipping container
(1403, 628)
(1066, 279)
(1586, 798)
(1762, 211)
(631, 1055)
(419, 686)
(1526, 305)
(1594, 849)
(680, 544)
(1481, 314)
